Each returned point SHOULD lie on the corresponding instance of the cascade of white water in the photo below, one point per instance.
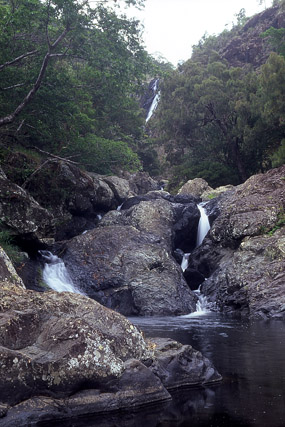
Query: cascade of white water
(185, 262)
(55, 274)
(203, 226)
(153, 106)
(201, 306)
(120, 207)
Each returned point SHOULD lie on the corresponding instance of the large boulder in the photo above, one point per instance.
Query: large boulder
(196, 187)
(140, 182)
(243, 256)
(64, 356)
(129, 270)
(73, 196)
(21, 213)
(120, 187)
(252, 280)
(251, 208)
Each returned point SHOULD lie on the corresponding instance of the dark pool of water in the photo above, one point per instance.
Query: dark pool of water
(249, 355)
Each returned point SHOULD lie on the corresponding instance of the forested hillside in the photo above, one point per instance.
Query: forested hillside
(71, 74)
(220, 121)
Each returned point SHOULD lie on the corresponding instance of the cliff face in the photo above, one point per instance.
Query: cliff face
(248, 47)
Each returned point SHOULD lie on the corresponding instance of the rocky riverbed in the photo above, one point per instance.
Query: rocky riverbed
(65, 355)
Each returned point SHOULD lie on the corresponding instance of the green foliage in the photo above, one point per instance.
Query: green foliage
(278, 158)
(91, 84)
(7, 243)
(276, 37)
(103, 156)
(222, 123)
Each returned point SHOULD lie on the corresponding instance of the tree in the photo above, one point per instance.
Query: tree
(70, 75)
(42, 32)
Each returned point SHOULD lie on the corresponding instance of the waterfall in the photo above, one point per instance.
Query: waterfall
(185, 262)
(203, 226)
(153, 106)
(201, 306)
(156, 98)
(55, 274)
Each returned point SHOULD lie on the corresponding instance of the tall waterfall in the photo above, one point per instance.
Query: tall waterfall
(155, 101)
(55, 274)
(203, 226)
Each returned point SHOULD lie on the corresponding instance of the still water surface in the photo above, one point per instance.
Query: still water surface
(249, 355)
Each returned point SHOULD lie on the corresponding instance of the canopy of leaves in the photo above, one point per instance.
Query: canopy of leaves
(222, 123)
(71, 73)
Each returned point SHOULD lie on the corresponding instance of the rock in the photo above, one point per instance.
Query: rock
(194, 278)
(21, 214)
(64, 356)
(129, 270)
(213, 193)
(248, 47)
(195, 187)
(120, 187)
(180, 365)
(7, 270)
(252, 280)
(186, 220)
(55, 343)
(251, 209)
(243, 255)
(73, 196)
(141, 182)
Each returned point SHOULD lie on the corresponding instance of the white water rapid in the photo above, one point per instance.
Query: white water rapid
(55, 274)
(203, 226)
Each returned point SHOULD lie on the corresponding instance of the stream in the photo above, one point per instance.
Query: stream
(250, 357)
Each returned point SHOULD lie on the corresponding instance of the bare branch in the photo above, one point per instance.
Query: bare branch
(12, 87)
(18, 59)
(11, 117)
(64, 159)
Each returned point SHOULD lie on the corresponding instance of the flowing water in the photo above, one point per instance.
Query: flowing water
(203, 226)
(55, 274)
(249, 355)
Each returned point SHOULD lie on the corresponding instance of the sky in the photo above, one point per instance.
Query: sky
(172, 27)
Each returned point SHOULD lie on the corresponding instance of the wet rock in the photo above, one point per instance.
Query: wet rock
(180, 365)
(243, 256)
(252, 280)
(129, 270)
(186, 220)
(193, 277)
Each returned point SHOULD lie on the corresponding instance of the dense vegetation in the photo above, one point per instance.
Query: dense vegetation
(220, 122)
(71, 76)
(71, 73)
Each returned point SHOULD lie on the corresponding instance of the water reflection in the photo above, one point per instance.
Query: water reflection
(250, 356)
